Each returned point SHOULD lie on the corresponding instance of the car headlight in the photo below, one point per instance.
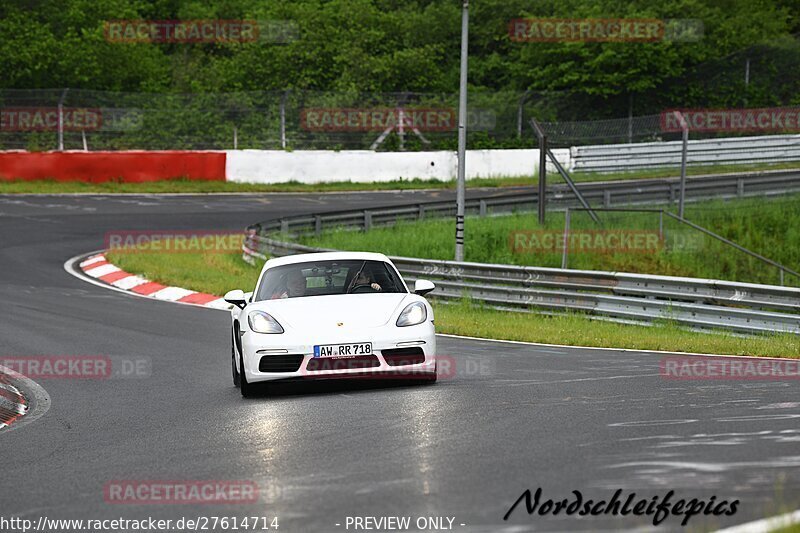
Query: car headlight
(414, 313)
(262, 322)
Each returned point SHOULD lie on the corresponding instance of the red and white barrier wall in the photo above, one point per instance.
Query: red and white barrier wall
(97, 167)
(266, 166)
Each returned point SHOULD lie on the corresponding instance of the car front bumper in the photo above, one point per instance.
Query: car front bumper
(291, 356)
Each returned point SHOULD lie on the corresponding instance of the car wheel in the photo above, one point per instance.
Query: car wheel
(428, 379)
(236, 375)
(246, 388)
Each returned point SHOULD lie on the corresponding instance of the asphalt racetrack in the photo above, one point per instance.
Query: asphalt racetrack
(563, 419)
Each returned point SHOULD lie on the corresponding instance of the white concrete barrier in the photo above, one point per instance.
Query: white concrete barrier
(312, 166)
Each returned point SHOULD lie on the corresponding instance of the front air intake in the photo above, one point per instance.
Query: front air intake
(280, 363)
(403, 356)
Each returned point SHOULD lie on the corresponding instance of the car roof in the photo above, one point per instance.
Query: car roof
(324, 256)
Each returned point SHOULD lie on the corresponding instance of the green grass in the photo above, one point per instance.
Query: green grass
(795, 528)
(181, 185)
(210, 272)
(216, 273)
(768, 227)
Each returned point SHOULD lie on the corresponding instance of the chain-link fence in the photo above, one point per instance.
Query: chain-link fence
(74, 119)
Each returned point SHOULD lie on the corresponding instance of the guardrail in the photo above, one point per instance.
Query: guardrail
(736, 150)
(605, 194)
(700, 303)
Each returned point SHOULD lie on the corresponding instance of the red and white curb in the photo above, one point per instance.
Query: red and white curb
(13, 405)
(99, 268)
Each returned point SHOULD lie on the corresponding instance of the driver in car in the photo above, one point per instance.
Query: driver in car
(362, 279)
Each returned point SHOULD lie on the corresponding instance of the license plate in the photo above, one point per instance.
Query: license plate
(342, 350)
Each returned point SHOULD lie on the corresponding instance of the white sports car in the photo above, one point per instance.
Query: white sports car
(336, 314)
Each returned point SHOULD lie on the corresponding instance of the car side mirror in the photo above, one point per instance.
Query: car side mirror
(236, 297)
(423, 287)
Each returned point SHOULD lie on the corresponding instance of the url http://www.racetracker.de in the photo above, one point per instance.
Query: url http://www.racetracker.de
(198, 523)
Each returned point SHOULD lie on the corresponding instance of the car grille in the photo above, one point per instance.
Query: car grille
(319, 364)
(280, 363)
(403, 356)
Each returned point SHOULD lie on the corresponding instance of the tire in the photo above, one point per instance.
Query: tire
(427, 380)
(236, 375)
(247, 389)
(431, 378)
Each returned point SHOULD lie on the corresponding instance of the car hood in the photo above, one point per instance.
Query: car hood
(326, 312)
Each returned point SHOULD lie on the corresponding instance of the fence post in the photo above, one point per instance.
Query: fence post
(283, 118)
(83, 138)
(684, 153)
(566, 240)
(522, 101)
(317, 224)
(235, 139)
(606, 198)
(740, 187)
(542, 169)
(420, 211)
(367, 220)
(61, 119)
(482, 211)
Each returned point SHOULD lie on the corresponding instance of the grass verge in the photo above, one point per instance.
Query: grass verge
(217, 273)
(179, 185)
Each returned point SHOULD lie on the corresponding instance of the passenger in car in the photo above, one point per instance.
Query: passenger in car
(295, 286)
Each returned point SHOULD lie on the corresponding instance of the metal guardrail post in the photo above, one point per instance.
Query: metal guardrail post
(367, 220)
(420, 212)
(565, 248)
(482, 208)
(284, 225)
(661, 225)
(317, 224)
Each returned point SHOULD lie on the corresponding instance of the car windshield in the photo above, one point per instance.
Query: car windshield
(318, 278)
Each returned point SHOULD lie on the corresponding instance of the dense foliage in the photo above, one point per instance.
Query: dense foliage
(413, 45)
